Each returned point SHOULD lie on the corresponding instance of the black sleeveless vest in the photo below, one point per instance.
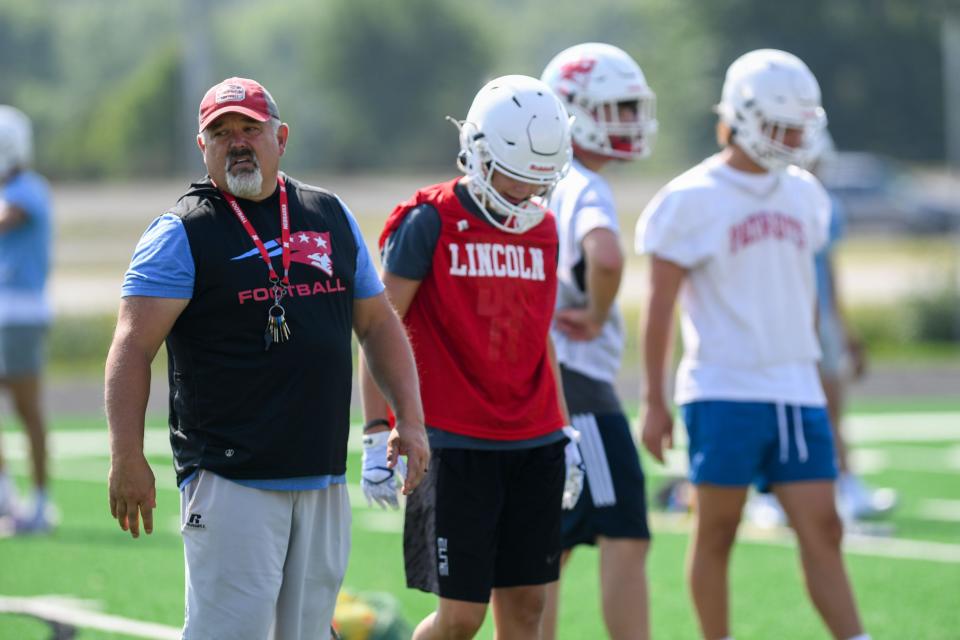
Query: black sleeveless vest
(237, 409)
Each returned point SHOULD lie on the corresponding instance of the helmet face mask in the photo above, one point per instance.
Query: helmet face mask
(771, 102)
(517, 128)
(600, 85)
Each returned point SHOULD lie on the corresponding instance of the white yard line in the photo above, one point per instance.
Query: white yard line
(860, 429)
(939, 509)
(77, 613)
(856, 544)
(902, 427)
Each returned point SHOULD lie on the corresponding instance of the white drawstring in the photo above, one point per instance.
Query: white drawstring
(798, 434)
(782, 432)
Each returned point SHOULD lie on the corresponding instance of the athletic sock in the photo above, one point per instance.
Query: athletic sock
(40, 499)
(862, 636)
(8, 494)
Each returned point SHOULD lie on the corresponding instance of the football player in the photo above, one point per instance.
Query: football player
(734, 239)
(469, 265)
(614, 109)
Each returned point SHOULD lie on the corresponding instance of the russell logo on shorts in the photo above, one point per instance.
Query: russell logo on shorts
(194, 521)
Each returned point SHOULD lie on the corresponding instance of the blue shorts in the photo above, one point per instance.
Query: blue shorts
(738, 443)
(613, 503)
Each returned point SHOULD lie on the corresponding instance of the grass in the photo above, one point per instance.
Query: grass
(89, 557)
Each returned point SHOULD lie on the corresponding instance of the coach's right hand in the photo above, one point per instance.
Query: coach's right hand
(133, 493)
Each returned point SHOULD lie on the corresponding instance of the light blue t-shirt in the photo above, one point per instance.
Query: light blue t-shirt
(25, 252)
(821, 258)
(162, 267)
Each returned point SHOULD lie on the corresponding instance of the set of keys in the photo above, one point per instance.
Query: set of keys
(278, 329)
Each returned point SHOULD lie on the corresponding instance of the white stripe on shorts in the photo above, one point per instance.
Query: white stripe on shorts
(595, 460)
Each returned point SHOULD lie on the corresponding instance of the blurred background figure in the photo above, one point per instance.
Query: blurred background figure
(613, 107)
(25, 314)
(843, 360)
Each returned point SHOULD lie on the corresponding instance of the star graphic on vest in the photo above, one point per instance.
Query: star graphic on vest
(306, 247)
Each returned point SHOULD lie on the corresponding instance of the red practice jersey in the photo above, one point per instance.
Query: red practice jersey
(479, 323)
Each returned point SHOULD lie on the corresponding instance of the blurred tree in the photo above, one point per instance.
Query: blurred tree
(671, 45)
(130, 132)
(392, 71)
(878, 63)
(26, 50)
(366, 84)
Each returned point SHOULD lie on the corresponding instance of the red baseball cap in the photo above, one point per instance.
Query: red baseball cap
(237, 95)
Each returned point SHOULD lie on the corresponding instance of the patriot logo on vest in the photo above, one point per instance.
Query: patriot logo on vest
(306, 247)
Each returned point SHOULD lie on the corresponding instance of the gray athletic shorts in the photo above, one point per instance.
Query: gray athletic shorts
(21, 350)
(262, 564)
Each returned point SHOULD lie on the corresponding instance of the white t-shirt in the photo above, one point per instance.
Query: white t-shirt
(748, 301)
(582, 202)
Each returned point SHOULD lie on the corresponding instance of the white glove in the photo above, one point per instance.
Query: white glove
(380, 484)
(573, 486)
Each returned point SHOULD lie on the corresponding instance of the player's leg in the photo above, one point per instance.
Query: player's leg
(718, 512)
(618, 518)
(453, 620)
(235, 544)
(449, 539)
(810, 506)
(727, 443)
(25, 392)
(804, 484)
(315, 565)
(518, 611)
(21, 375)
(528, 547)
(551, 610)
(623, 584)
(8, 492)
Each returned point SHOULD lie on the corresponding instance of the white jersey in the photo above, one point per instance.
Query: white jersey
(748, 301)
(582, 202)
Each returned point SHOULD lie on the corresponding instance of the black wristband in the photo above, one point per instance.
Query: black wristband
(377, 422)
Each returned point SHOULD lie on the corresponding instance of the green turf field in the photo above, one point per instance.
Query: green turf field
(906, 575)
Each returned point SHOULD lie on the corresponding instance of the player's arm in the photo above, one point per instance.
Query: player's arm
(555, 367)
(388, 374)
(665, 280)
(142, 325)
(11, 216)
(851, 339)
(603, 261)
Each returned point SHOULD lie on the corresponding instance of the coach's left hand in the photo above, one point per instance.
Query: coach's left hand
(409, 439)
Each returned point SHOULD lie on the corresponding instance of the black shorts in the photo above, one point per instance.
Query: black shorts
(613, 503)
(485, 519)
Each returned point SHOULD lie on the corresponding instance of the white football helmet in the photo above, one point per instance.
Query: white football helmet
(593, 80)
(16, 140)
(766, 92)
(516, 126)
